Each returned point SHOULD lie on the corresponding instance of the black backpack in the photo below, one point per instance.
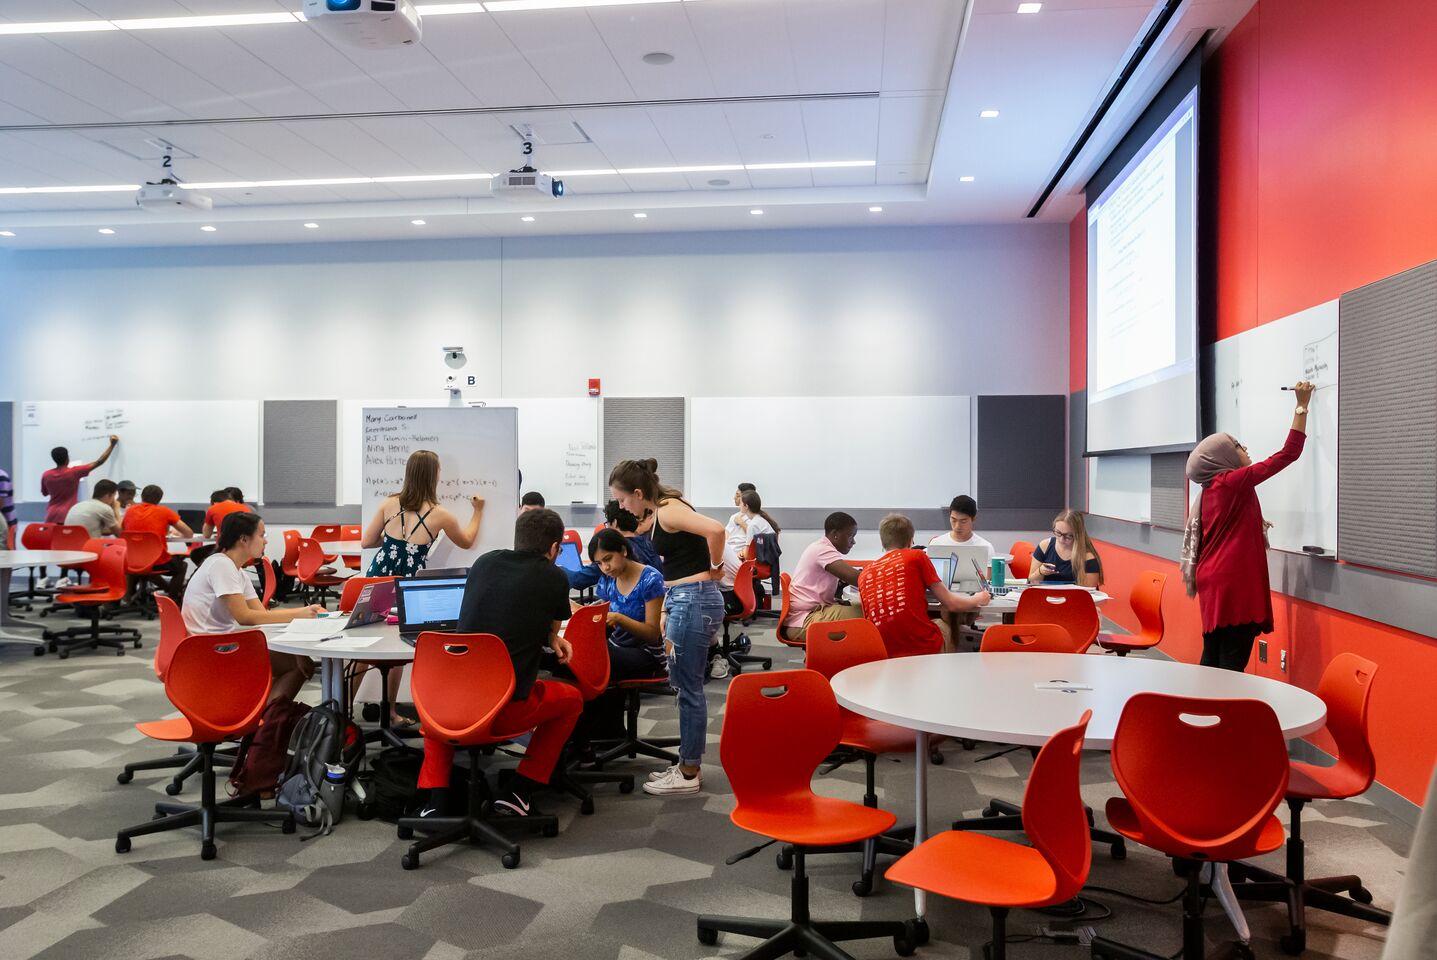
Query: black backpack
(391, 785)
(324, 753)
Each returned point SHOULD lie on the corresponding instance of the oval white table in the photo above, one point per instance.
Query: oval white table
(344, 548)
(19, 559)
(344, 646)
(991, 696)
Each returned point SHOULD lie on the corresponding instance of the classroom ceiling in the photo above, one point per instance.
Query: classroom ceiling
(775, 113)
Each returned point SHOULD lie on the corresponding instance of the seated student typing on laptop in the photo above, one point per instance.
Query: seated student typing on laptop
(641, 548)
(221, 598)
(521, 597)
(962, 517)
(895, 590)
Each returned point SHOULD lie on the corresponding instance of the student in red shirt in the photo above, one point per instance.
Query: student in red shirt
(62, 483)
(222, 504)
(151, 516)
(894, 590)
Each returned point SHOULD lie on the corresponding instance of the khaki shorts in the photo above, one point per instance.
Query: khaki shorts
(827, 614)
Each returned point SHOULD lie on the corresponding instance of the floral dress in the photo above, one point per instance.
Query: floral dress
(400, 558)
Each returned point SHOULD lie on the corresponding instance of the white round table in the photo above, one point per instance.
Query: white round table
(332, 654)
(346, 548)
(991, 696)
(18, 559)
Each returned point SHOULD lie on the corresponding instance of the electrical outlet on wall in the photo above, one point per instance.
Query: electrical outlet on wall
(1282, 662)
(1262, 651)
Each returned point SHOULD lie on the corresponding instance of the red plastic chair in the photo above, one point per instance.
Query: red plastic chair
(145, 550)
(1003, 875)
(268, 581)
(309, 571)
(1147, 603)
(831, 648)
(572, 536)
(353, 587)
(288, 565)
(1070, 608)
(588, 634)
(743, 590)
(460, 683)
(35, 536)
(71, 537)
(220, 685)
(327, 533)
(1022, 562)
(1346, 688)
(351, 531)
(774, 798)
(783, 610)
(1200, 780)
(108, 572)
(1027, 638)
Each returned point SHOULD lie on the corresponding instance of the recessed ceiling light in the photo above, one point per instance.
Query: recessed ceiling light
(755, 212)
(658, 58)
(7, 233)
(719, 182)
(207, 228)
(988, 114)
(527, 219)
(965, 179)
(418, 223)
(875, 209)
(641, 216)
(765, 136)
(1029, 7)
(107, 231)
(311, 226)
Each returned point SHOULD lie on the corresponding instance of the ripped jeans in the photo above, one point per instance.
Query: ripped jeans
(693, 616)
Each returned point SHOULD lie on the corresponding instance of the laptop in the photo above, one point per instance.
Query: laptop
(569, 558)
(960, 559)
(428, 603)
(373, 606)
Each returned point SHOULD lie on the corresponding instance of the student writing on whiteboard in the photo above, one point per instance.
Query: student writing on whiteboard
(62, 483)
(1224, 560)
(692, 547)
(1068, 556)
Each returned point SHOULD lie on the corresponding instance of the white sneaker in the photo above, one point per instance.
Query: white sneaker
(720, 668)
(660, 774)
(675, 784)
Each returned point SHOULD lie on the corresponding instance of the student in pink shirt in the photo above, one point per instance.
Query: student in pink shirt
(62, 484)
(813, 588)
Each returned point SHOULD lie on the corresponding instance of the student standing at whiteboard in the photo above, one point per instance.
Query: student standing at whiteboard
(1225, 544)
(62, 484)
(692, 546)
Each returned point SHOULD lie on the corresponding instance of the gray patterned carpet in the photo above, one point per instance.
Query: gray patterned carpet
(623, 884)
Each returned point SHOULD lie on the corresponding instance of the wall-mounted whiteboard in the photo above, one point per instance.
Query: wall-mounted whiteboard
(558, 444)
(478, 456)
(838, 452)
(1249, 371)
(1121, 487)
(188, 447)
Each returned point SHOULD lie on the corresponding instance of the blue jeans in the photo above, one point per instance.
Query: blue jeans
(694, 615)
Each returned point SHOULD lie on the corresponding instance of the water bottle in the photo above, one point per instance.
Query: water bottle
(331, 791)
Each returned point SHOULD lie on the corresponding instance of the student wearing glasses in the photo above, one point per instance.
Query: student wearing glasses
(1068, 556)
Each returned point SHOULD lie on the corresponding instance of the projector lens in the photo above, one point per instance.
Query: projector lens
(342, 5)
(558, 188)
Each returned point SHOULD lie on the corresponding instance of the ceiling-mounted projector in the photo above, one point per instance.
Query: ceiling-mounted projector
(526, 183)
(168, 195)
(365, 23)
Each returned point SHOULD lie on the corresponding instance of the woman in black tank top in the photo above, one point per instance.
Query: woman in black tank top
(692, 547)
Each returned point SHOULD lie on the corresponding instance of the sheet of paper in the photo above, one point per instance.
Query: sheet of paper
(349, 642)
(326, 627)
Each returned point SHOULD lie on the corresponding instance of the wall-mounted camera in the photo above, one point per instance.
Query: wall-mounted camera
(454, 357)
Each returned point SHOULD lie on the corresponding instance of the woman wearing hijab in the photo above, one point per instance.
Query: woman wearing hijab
(1225, 543)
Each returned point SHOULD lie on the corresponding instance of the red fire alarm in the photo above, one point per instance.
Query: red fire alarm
(593, 386)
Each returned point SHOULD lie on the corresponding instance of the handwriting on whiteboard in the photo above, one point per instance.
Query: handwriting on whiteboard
(389, 439)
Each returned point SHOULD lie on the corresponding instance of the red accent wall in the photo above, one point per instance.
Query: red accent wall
(1325, 130)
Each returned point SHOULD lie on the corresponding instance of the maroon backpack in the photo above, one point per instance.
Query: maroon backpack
(263, 755)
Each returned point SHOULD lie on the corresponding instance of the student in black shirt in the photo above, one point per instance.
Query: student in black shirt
(521, 597)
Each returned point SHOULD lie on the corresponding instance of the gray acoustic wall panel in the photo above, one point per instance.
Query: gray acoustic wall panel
(300, 462)
(1387, 423)
(1022, 452)
(1169, 490)
(1077, 438)
(7, 437)
(639, 427)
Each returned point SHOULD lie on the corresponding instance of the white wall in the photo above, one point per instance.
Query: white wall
(929, 310)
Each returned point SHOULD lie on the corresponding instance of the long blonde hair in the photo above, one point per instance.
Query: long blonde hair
(1082, 546)
(421, 481)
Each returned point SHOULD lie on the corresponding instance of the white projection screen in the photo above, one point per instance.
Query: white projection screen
(1142, 391)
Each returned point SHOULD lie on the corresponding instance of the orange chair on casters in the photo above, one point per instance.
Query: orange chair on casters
(731, 650)
(587, 633)
(36, 536)
(385, 734)
(1022, 562)
(774, 798)
(109, 573)
(309, 570)
(1004, 875)
(1072, 609)
(145, 549)
(1346, 688)
(1147, 603)
(220, 685)
(1200, 780)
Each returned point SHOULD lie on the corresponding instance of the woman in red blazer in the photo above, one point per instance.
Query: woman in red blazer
(1225, 544)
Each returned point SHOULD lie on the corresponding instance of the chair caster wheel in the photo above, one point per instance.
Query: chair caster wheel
(969, 744)
(364, 811)
(174, 787)
(137, 643)
(65, 654)
(586, 806)
(935, 757)
(1293, 943)
(1242, 951)
(288, 827)
(510, 860)
(920, 929)
(124, 777)
(990, 811)
(1362, 895)
(863, 886)
(208, 851)
(122, 844)
(405, 833)
(708, 937)
(784, 860)
(550, 830)
(39, 651)
(987, 951)
(409, 862)
(120, 652)
(906, 943)
(1118, 851)
(626, 786)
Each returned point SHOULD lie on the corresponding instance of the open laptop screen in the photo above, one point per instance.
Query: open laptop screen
(429, 602)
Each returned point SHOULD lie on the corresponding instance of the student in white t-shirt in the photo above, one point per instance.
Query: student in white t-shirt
(220, 598)
(735, 532)
(962, 514)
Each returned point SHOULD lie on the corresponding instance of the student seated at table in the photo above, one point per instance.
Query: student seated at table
(895, 589)
(962, 515)
(641, 548)
(222, 504)
(125, 493)
(533, 500)
(97, 514)
(152, 516)
(1054, 556)
(62, 483)
(735, 532)
(221, 598)
(521, 597)
(814, 586)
